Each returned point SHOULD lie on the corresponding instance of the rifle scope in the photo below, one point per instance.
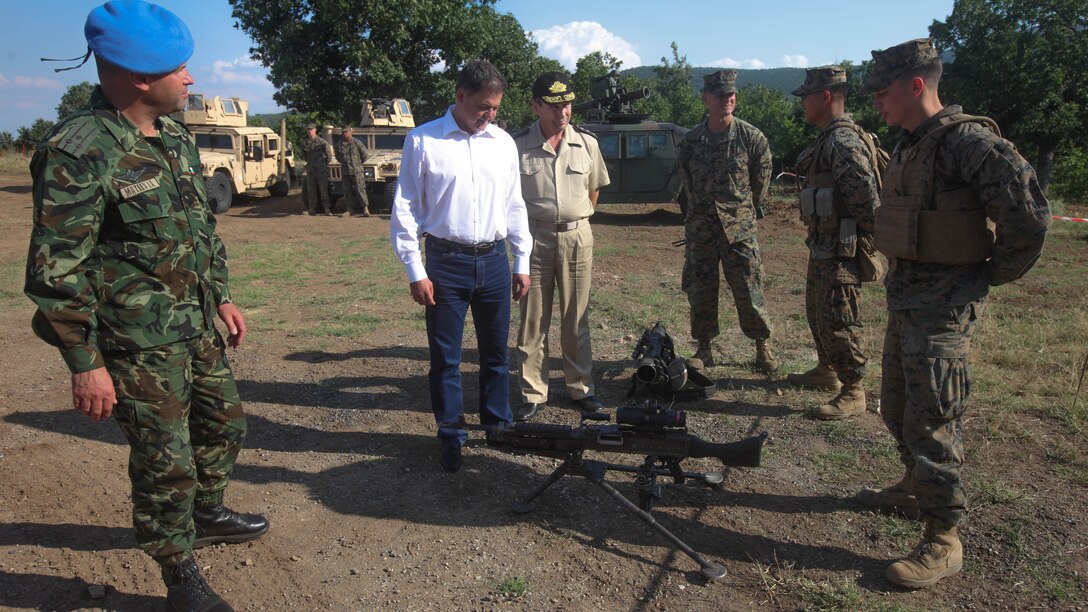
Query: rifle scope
(651, 415)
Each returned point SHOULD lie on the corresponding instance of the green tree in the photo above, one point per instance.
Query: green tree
(781, 120)
(328, 56)
(76, 98)
(7, 141)
(676, 100)
(1022, 63)
(29, 137)
(590, 66)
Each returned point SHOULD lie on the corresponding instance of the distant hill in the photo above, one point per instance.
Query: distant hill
(271, 120)
(782, 79)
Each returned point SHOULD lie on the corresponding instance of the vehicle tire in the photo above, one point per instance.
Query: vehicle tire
(390, 193)
(281, 188)
(219, 192)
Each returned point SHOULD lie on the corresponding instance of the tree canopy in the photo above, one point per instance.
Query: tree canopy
(328, 56)
(1022, 63)
(76, 98)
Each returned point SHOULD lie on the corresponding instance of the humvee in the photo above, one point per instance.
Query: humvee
(235, 157)
(640, 154)
(383, 124)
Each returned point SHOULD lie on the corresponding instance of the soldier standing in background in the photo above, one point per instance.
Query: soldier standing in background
(725, 164)
(315, 189)
(838, 205)
(949, 173)
(351, 154)
(562, 172)
(128, 274)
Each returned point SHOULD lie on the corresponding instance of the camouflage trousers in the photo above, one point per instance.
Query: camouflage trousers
(833, 309)
(355, 198)
(707, 248)
(178, 406)
(923, 399)
(315, 190)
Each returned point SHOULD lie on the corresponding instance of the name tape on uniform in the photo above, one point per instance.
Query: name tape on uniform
(138, 188)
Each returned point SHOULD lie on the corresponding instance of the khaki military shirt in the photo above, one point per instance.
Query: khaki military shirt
(556, 185)
(123, 253)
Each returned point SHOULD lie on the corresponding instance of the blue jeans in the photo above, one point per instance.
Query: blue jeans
(481, 283)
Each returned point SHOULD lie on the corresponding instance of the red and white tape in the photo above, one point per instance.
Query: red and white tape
(1073, 219)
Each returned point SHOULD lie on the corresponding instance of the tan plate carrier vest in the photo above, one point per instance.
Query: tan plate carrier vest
(915, 223)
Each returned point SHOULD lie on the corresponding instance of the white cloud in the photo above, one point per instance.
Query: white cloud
(237, 71)
(795, 61)
(30, 82)
(728, 62)
(570, 42)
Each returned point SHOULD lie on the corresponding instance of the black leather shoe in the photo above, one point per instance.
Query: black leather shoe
(451, 456)
(527, 411)
(591, 409)
(219, 524)
(186, 590)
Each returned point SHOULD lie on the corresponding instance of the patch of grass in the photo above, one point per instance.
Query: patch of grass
(353, 325)
(513, 587)
(837, 462)
(11, 285)
(1056, 583)
(782, 583)
(987, 491)
(902, 531)
(14, 162)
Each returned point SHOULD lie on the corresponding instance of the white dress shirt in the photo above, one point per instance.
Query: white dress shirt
(461, 187)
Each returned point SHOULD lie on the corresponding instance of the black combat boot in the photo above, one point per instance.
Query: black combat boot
(217, 524)
(187, 591)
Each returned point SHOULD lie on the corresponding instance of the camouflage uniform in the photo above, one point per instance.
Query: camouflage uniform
(315, 187)
(127, 272)
(933, 307)
(833, 282)
(726, 175)
(351, 154)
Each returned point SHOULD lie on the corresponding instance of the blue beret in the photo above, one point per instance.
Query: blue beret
(139, 37)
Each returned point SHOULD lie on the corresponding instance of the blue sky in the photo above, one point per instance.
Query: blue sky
(728, 33)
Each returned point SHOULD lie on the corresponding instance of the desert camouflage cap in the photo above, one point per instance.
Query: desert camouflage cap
(819, 79)
(894, 62)
(720, 82)
(553, 88)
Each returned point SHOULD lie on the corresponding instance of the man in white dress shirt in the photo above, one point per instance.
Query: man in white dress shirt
(459, 188)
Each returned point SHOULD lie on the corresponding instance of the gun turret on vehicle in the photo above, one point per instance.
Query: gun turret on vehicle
(640, 154)
(236, 157)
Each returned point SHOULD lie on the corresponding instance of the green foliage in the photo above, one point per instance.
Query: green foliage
(781, 120)
(589, 66)
(673, 91)
(29, 137)
(514, 587)
(1020, 62)
(1071, 175)
(76, 98)
(7, 141)
(328, 56)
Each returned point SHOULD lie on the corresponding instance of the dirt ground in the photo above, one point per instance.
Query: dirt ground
(342, 458)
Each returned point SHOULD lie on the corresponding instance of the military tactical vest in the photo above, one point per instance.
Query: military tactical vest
(915, 223)
(823, 210)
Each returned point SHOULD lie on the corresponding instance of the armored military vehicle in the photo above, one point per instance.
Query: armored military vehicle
(383, 124)
(640, 154)
(236, 158)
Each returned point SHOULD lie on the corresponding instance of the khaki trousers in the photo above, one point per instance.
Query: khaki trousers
(560, 261)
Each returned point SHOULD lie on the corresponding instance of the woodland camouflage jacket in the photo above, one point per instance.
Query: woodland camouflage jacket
(123, 252)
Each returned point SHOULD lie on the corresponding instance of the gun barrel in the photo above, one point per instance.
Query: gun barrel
(743, 453)
(651, 370)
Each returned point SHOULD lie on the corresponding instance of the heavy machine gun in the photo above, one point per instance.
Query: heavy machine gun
(658, 434)
(611, 102)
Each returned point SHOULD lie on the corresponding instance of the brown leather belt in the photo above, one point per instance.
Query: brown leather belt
(465, 249)
(559, 227)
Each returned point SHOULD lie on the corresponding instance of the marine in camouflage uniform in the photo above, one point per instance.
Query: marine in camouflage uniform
(950, 173)
(725, 165)
(351, 154)
(315, 187)
(128, 274)
(838, 204)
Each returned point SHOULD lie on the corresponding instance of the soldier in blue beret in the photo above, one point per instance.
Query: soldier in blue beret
(128, 275)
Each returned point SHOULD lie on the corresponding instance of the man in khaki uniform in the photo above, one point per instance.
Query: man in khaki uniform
(562, 172)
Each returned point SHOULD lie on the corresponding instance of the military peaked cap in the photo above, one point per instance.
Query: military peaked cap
(897, 61)
(721, 82)
(819, 79)
(553, 88)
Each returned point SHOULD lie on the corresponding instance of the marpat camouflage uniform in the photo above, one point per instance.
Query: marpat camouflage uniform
(833, 283)
(351, 155)
(315, 187)
(727, 175)
(127, 272)
(933, 307)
